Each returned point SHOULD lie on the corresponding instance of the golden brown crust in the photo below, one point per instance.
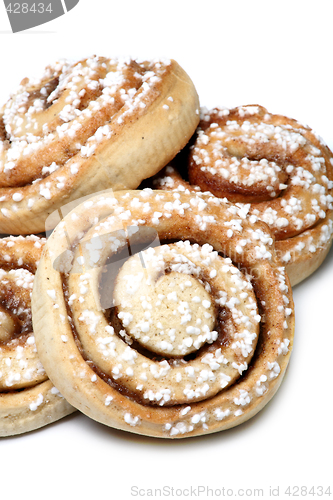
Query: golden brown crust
(83, 127)
(277, 168)
(28, 400)
(120, 358)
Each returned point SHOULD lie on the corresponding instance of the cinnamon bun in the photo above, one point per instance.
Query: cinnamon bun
(95, 124)
(162, 313)
(28, 400)
(276, 169)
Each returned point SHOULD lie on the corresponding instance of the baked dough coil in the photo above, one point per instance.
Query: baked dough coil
(273, 166)
(86, 126)
(28, 400)
(163, 314)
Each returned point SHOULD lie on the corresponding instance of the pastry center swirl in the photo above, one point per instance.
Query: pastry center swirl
(167, 311)
(7, 326)
(15, 314)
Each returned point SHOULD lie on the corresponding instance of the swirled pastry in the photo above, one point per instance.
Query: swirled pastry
(276, 169)
(28, 400)
(86, 126)
(163, 314)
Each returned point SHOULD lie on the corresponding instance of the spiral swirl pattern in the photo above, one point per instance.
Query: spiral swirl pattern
(175, 316)
(276, 168)
(87, 126)
(28, 400)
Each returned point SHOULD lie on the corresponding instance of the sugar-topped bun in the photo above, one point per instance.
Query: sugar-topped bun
(94, 124)
(163, 314)
(273, 166)
(28, 400)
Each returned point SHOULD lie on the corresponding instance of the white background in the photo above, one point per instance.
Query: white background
(277, 54)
